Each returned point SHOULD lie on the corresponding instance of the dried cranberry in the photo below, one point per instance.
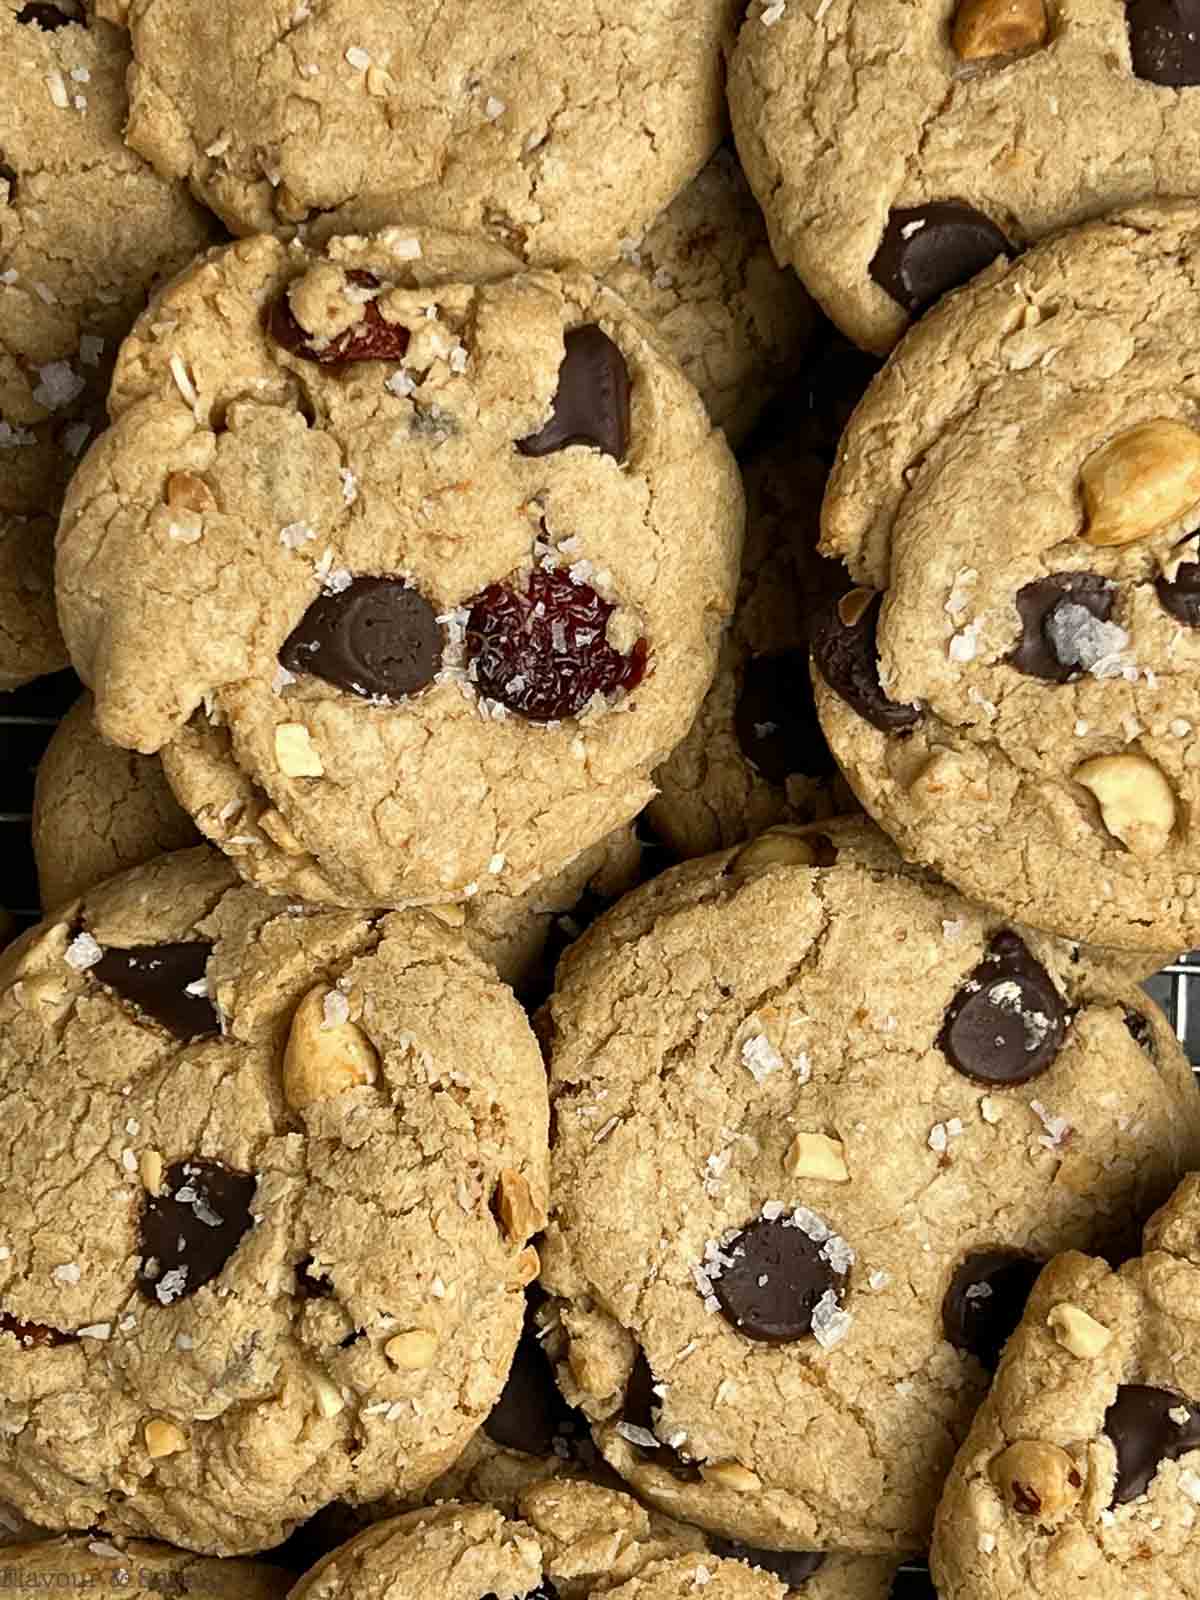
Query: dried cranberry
(544, 653)
(34, 1335)
(370, 339)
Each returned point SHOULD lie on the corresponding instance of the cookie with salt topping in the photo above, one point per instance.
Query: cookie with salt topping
(818, 1121)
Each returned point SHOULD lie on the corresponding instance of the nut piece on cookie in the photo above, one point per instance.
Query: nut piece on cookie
(1141, 483)
(1135, 800)
(986, 28)
(1038, 1480)
(326, 1053)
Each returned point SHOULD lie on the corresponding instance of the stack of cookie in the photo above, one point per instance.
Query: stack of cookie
(369, 1223)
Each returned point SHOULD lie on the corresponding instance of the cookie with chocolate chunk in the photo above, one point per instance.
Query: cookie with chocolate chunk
(1011, 685)
(411, 563)
(1081, 1474)
(899, 153)
(280, 1259)
(817, 1120)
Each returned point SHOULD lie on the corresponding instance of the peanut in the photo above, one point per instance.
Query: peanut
(295, 753)
(1078, 1332)
(322, 1061)
(1141, 482)
(985, 28)
(1037, 1479)
(163, 1439)
(814, 1155)
(1136, 803)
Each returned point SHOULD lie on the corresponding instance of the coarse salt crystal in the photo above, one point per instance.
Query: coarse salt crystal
(401, 383)
(188, 530)
(96, 1330)
(802, 1067)
(878, 1280)
(987, 1543)
(296, 534)
(774, 13)
(82, 952)
(67, 1273)
(1180, 728)
(349, 485)
(494, 108)
(58, 90)
(81, 75)
(1189, 1482)
(760, 1057)
(75, 437)
(58, 385)
(964, 646)
(336, 1010)
(279, 683)
(830, 1324)
(642, 1437)
(358, 58)
(496, 864)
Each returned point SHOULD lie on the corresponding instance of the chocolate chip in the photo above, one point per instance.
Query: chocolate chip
(847, 657)
(531, 1415)
(930, 249)
(308, 1285)
(591, 405)
(1164, 41)
(1139, 1028)
(770, 1279)
(1145, 1434)
(641, 1404)
(793, 1567)
(544, 1591)
(371, 338)
(986, 1300)
(34, 1335)
(376, 638)
(49, 17)
(192, 1227)
(156, 978)
(776, 719)
(1180, 596)
(1040, 606)
(1008, 1021)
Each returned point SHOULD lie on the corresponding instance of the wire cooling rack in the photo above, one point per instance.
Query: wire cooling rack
(29, 716)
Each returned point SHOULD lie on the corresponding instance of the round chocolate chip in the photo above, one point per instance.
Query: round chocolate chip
(591, 404)
(531, 1415)
(376, 638)
(371, 338)
(776, 719)
(192, 1227)
(638, 1411)
(777, 1278)
(793, 1567)
(1054, 614)
(1164, 41)
(165, 982)
(1147, 1427)
(846, 655)
(928, 250)
(1008, 1021)
(34, 1335)
(1180, 596)
(49, 17)
(986, 1300)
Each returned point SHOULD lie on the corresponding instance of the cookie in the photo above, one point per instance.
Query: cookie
(82, 237)
(139, 1570)
(99, 809)
(555, 131)
(899, 153)
(412, 579)
(280, 1259)
(810, 1107)
(755, 754)
(1081, 1474)
(704, 277)
(1019, 710)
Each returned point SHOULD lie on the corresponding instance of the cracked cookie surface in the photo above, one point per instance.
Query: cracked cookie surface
(1018, 482)
(268, 1189)
(752, 1056)
(1081, 1474)
(859, 124)
(85, 229)
(555, 128)
(405, 439)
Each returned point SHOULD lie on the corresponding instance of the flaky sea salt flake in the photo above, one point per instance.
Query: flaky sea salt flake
(82, 952)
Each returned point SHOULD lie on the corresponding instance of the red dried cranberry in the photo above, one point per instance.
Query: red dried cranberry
(544, 653)
(34, 1335)
(370, 339)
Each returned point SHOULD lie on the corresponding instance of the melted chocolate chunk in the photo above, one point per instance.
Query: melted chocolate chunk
(1040, 606)
(1008, 1021)
(1145, 1434)
(192, 1227)
(157, 978)
(1180, 596)
(591, 405)
(377, 638)
(371, 338)
(793, 1567)
(531, 1415)
(776, 719)
(777, 1277)
(641, 1403)
(931, 249)
(986, 1300)
(847, 657)
(34, 1335)
(48, 17)
(544, 653)
(1164, 41)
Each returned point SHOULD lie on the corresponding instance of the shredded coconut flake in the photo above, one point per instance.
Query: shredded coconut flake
(183, 380)
(774, 13)
(96, 1330)
(58, 90)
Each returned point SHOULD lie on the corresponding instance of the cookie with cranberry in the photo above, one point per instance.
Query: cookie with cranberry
(1081, 1474)
(1011, 688)
(554, 129)
(818, 1122)
(269, 1179)
(897, 153)
(82, 238)
(410, 562)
